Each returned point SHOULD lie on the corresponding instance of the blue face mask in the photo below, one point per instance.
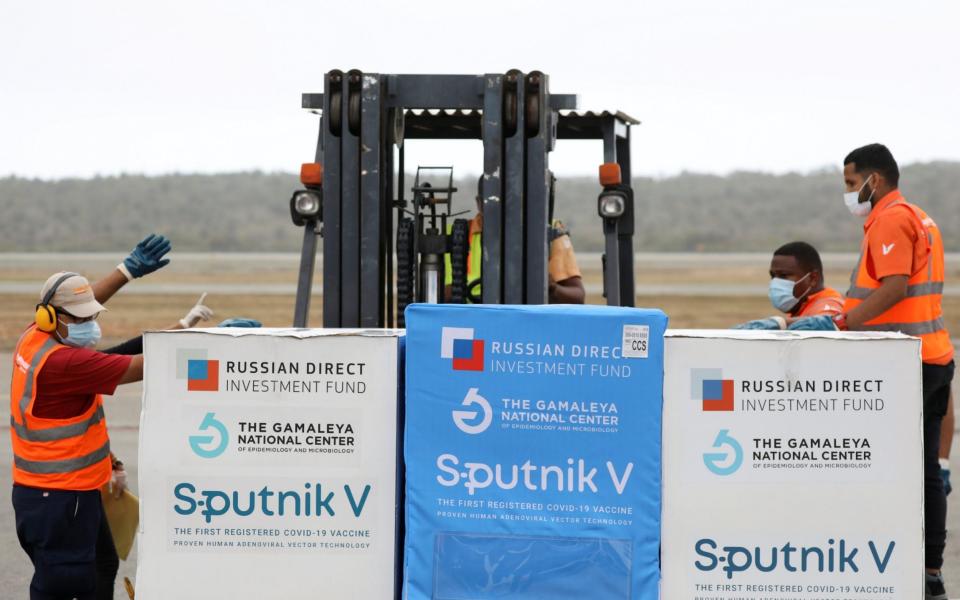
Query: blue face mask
(781, 293)
(82, 335)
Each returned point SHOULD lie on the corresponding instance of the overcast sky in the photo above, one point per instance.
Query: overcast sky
(98, 87)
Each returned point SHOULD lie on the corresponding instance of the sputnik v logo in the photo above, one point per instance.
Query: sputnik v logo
(201, 444)
(714, 460)
(458, 344)
(461, 417)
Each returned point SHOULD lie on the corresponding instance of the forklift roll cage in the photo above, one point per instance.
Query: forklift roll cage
(361, 181)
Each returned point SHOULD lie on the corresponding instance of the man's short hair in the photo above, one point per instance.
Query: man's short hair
(807, 256)
(875, 157)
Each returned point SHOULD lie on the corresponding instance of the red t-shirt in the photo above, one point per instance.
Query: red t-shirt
(72, 377)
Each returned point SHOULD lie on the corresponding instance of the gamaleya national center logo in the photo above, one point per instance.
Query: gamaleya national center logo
(201, 374)
(726, 457)
(206, 445)
(715, 393)
(466, 420)
(459, 345)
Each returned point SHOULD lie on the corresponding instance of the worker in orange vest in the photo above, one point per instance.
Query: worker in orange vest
(897, 285)
(797, 287)
(61, 450)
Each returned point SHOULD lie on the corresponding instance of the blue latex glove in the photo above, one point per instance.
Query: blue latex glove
(147, 257)
(768, 323)
(818, 323)
(240, 322)
(945, 476)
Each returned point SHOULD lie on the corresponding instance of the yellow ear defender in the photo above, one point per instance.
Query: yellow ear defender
(46, 317)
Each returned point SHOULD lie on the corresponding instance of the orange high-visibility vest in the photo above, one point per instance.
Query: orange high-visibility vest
(919, 313)
(61, 454)
(827, 301)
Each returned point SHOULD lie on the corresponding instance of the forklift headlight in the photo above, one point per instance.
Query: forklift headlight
(611, 205)
(305, 206)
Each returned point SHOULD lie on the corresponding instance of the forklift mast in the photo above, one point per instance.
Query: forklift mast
(353, 196)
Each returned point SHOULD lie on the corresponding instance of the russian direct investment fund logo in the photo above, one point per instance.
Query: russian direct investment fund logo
(710, 388)
(458, 344)
(201, 374)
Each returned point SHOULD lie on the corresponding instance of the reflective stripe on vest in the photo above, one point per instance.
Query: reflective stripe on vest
(63, 432)
(917, 329)
(51, 467)
(475, 258)
(913, 291)
(28, 384)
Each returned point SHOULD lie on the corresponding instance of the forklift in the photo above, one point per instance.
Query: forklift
(381, 251)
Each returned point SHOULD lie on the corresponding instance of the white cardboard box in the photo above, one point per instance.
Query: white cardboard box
(268, 464)
(792, 466)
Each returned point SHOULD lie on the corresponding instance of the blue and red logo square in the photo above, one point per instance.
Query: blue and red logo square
(458, 344)
(203, 375)
(715, 393)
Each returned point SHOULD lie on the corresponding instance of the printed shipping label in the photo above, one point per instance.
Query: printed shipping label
(636, 338)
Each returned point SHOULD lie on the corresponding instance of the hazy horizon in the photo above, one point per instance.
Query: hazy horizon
(467, 173)
(250, 210)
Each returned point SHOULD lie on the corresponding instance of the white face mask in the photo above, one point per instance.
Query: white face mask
(852, 200)
(781, 293)
(82, 335)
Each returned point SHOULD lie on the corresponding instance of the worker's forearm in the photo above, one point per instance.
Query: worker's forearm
(134, 372)
(129, 347)
(105, 288)
(892, 289)
(567, 292)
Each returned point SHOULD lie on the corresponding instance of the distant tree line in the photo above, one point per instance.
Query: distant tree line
(249, 212)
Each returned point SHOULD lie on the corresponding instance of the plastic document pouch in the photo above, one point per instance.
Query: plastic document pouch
(530, 567)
